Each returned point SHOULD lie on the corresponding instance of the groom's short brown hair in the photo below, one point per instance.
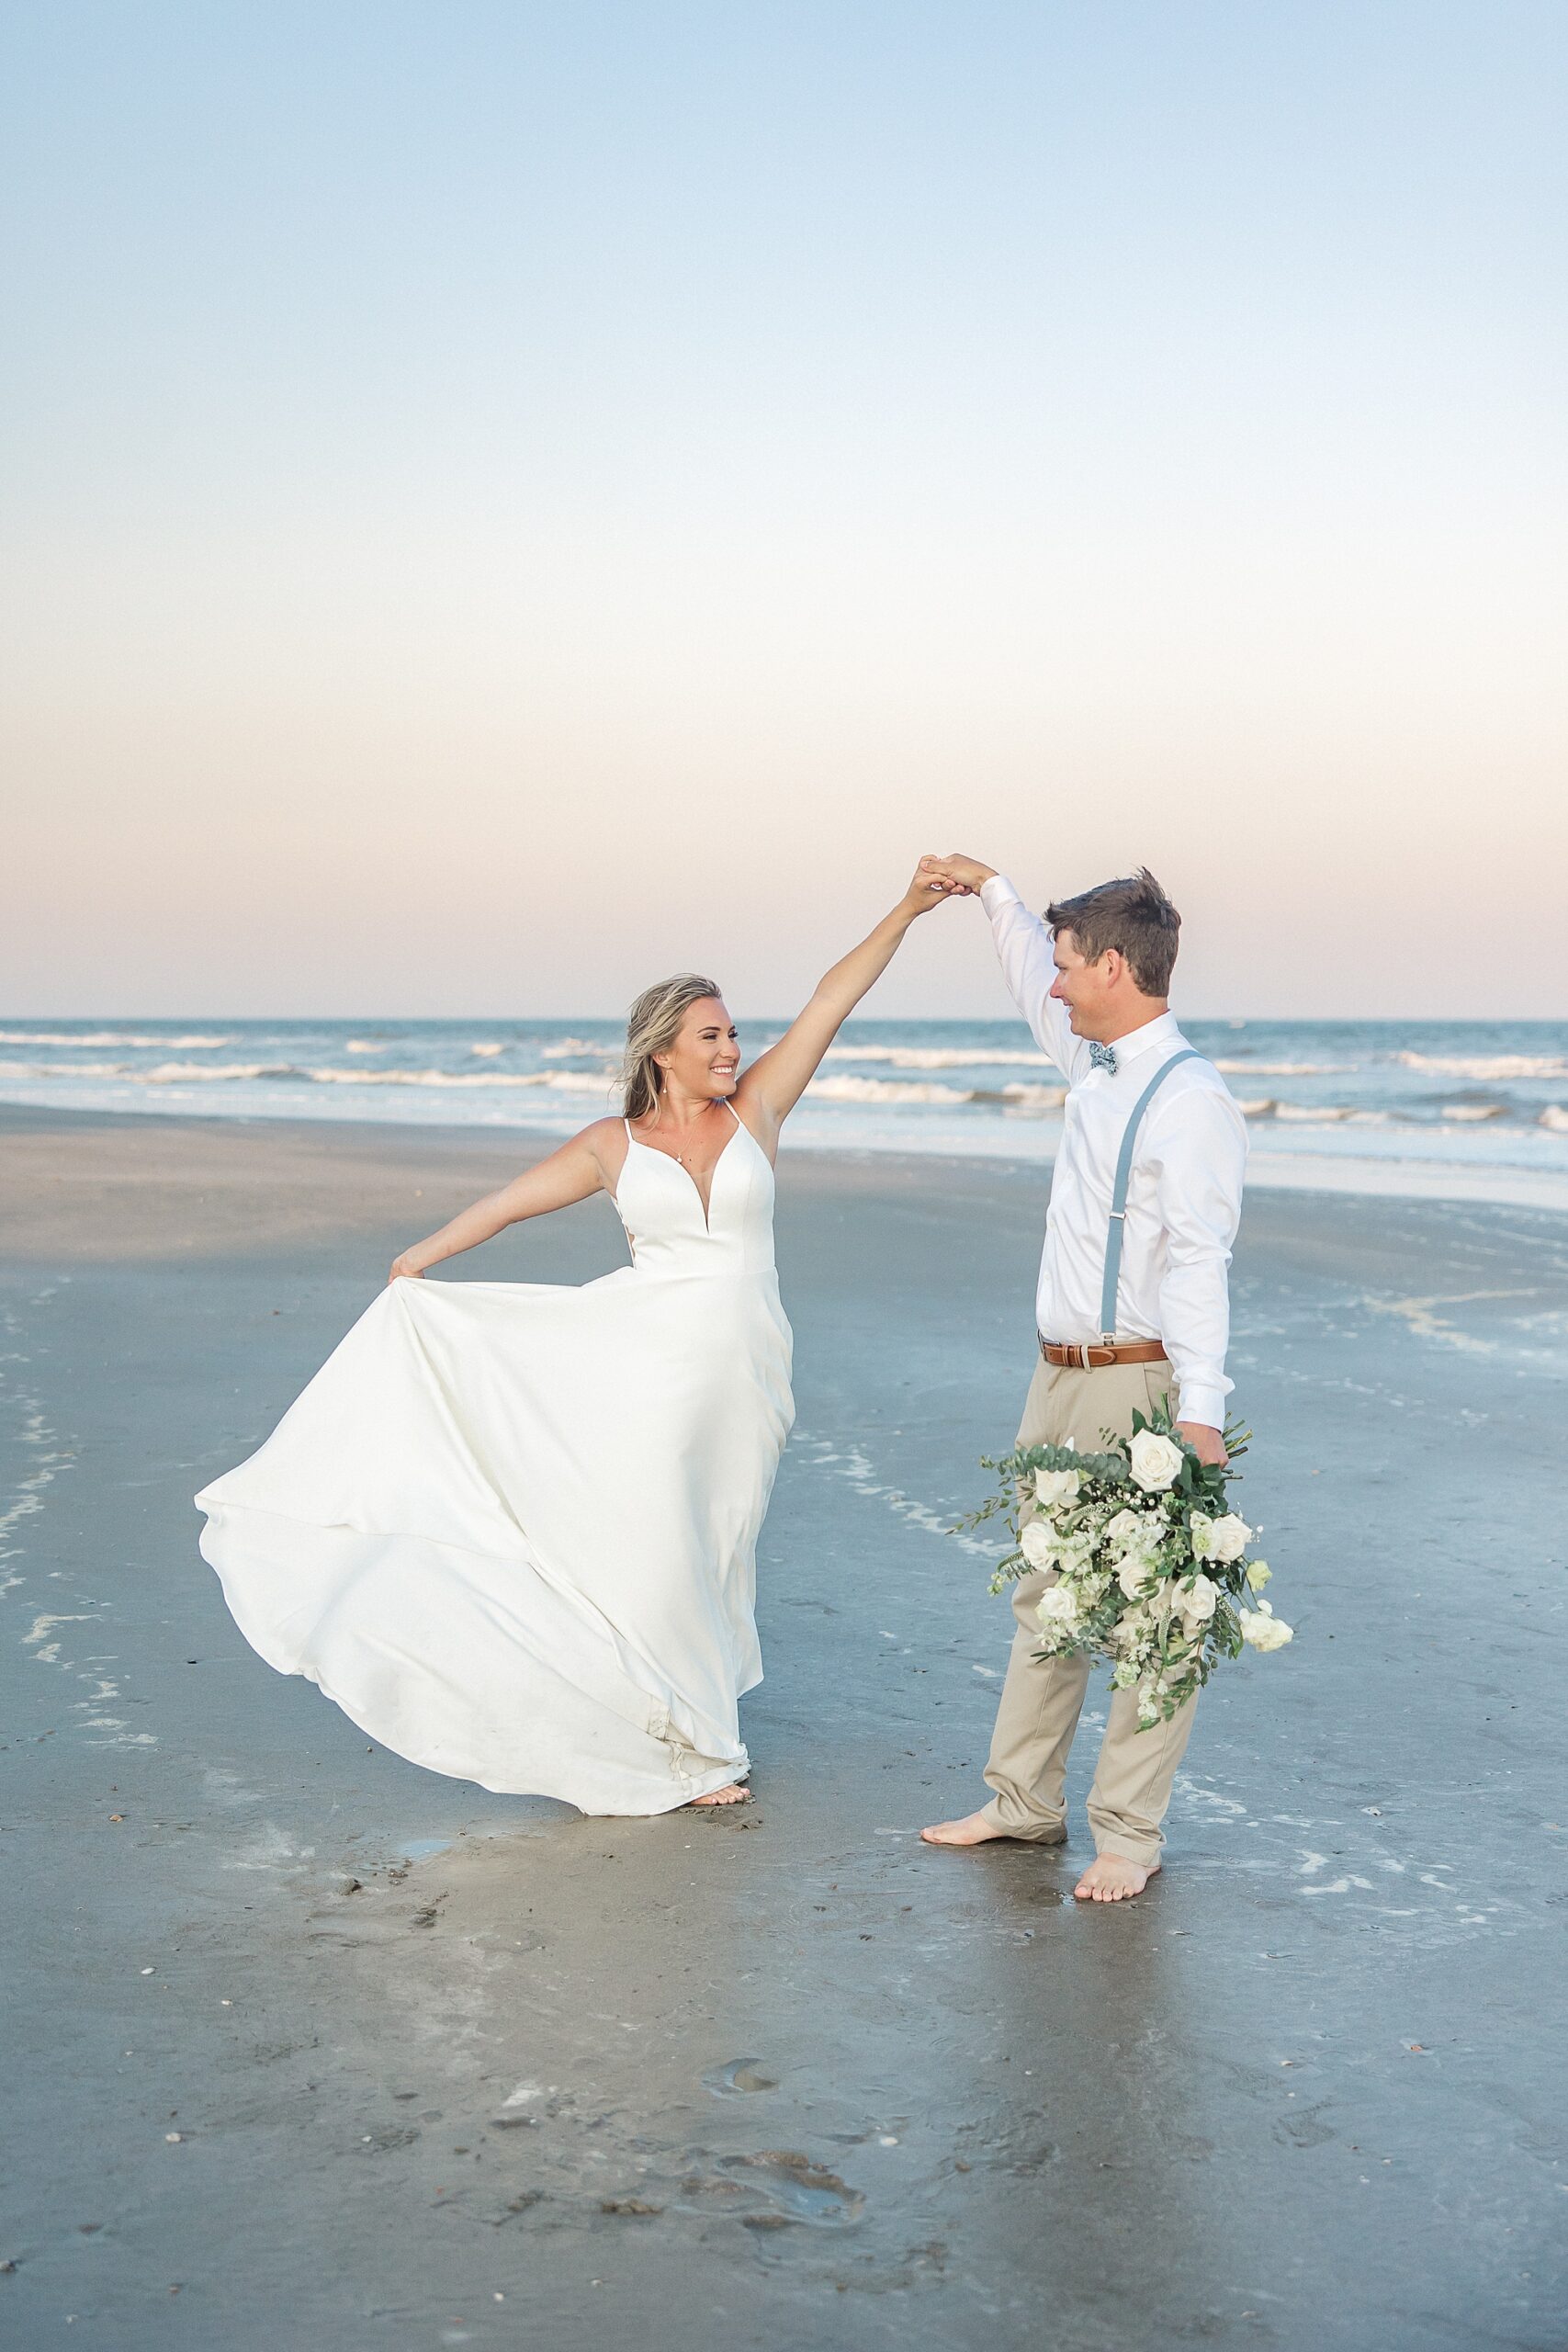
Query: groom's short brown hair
(1133, 916)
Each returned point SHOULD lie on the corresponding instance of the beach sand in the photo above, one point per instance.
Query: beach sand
(311, 2048)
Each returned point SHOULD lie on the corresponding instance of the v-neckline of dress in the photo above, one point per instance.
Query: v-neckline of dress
(705, 1206)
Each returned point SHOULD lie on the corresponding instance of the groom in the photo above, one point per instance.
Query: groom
(1122, 1325)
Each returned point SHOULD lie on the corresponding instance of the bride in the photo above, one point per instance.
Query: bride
(511, 1527)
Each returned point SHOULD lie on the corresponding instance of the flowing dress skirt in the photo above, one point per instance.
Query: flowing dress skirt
(511, 1528)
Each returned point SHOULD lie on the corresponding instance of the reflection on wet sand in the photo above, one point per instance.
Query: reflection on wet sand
(460, 2068)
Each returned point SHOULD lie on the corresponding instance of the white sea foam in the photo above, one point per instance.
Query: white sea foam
(486, 1052)
(937, 1057)
(1018, 1096)
(566, 1081)
(885, 1089)
(1472, 1113)
(364, 1046)
(163, 1074)
(566, 1048)
(424, 1077)
(1485, 1066)
(1555, 1116)
(204, 1073)
(560, 1082)
(1279, 1070)
(100, 1037)
(1267, 1106)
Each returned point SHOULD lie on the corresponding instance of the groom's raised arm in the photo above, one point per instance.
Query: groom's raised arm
(1023, 950)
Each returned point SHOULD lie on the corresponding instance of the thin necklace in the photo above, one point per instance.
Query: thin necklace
(679, 1156)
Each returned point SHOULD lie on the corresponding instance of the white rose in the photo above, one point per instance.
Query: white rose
(1058, 1610)
(1268, 1633)
(1131, 1575)
(1196, 1600)
(1218, 1539)
(1137, 1533)
(1054, 1488)
(1038, 1544)
(1261, 1630)
(1228, 1537)
(1155, 1460)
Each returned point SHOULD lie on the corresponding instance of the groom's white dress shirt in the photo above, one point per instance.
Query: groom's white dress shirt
(1184, 1199)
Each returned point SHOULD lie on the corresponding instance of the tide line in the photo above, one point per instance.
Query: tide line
(857, 1470)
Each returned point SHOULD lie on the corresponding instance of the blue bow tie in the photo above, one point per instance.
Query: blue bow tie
(1102, 1057)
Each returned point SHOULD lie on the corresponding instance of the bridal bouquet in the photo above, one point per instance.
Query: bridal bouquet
(1150, 1563)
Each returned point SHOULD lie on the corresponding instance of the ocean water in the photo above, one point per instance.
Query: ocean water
(1467, 1108)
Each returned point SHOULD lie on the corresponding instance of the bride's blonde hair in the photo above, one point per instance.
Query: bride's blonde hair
(652, 1026)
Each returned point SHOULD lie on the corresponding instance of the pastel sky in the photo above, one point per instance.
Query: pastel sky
(502, 501)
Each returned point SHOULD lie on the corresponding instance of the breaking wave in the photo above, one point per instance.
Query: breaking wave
(163, 1074)
(101, 1037)
(563, 1081)
(938, 1056)
(1484, 1066)
(886, 1089)
(560, 1082)
(1241, 1069)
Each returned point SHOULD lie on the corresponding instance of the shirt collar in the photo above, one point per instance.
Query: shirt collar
(1161, 1030)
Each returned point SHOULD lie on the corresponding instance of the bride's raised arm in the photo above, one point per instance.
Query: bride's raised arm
(573, 1174)
(776, 1080)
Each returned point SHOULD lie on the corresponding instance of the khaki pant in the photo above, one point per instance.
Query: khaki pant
(1042, 1698)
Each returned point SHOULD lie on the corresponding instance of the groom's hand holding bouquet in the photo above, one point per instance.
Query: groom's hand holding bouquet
(1147, 1563)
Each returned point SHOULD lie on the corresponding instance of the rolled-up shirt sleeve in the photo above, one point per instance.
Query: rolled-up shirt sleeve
(1199, 1149)
(1023, 950)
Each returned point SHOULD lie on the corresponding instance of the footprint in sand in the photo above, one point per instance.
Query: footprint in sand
(742, 2075)
(795, 2190)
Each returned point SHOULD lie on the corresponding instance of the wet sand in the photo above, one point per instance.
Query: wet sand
(312, 2048)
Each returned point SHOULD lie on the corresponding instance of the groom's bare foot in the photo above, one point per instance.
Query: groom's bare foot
(733, 1794)
(972, 1830)
(1112, 1879)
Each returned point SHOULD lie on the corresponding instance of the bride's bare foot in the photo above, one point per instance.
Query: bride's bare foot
(1112, 1879)
(972, 1830)
(733, 1794)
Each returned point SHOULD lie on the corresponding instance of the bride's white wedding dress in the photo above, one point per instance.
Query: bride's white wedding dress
(510, 1527)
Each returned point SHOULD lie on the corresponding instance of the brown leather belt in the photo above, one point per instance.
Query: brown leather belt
(1092, 1357)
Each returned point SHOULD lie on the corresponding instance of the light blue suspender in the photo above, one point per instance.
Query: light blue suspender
(1119, 1193)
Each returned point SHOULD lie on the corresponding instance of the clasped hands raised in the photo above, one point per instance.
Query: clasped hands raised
(953, 877)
